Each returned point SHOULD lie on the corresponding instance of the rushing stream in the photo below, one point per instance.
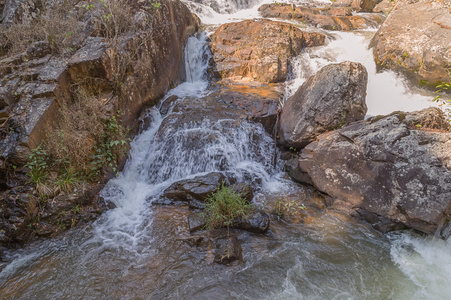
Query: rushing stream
(134, 251)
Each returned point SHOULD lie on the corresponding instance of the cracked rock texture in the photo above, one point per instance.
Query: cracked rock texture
(388, 167)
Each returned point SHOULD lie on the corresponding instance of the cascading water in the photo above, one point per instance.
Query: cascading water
(134, 252)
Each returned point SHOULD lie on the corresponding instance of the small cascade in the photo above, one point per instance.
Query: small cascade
(168, 151)
(197, 57)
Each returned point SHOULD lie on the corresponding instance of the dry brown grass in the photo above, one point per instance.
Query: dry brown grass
(79, 130)
(57, 25)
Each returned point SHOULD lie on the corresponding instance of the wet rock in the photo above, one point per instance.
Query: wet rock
(380, 223)
(330, 18)
(166, 105)
(196, 221)
(244, 190)
(227, 249)
(387, 167)
(332, 98)
(199, 187)
(257, 222)
(401, 43)
(260, 50)
(293, 170)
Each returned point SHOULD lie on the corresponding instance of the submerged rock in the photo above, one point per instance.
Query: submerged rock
(244, 190)
(332, 98)
(196, 221)
(416, 39)
(257, 222)
(260, 50)
(227, 249)
(389, 167)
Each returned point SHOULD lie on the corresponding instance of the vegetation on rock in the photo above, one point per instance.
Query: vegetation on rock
(225, 206)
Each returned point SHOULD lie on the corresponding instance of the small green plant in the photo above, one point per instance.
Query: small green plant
(88, 6)
(284, 207)
(112, 147)
(225, 206)
(342, 120)
(76, 209)
(67, 180)
(38, 164)
(445, 104)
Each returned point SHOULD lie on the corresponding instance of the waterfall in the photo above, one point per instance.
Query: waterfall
(197, 57)
(165, 153)
(130, 253)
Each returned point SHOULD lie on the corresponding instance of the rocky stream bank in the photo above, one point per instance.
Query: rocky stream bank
(391, 171)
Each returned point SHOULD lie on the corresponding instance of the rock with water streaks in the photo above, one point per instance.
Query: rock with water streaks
(332, 98)
(397, 167)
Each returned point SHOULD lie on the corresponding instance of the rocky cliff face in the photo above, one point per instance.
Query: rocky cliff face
(124, 58)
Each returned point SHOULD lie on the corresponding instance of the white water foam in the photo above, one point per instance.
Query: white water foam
(426, 261)
(158, 159)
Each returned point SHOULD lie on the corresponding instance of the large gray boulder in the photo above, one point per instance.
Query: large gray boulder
(415, 38)
(397, 167)
(335, 96)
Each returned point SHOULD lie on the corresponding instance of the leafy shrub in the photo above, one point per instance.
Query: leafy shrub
(224, 206)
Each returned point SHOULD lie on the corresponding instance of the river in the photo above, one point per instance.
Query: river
(134, 251)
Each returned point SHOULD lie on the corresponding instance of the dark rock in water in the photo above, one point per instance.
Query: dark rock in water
(257, 222)
(110, 205)
(195, 191)
(292, 169)
(166, 105)
(244, 189)
(332, 98)
(196, 221)
(380, 223)
(387, 166)
(227, 249)
(196, 204)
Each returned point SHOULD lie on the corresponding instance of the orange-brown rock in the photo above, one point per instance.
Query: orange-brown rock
(260, 49)
(330, 18)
